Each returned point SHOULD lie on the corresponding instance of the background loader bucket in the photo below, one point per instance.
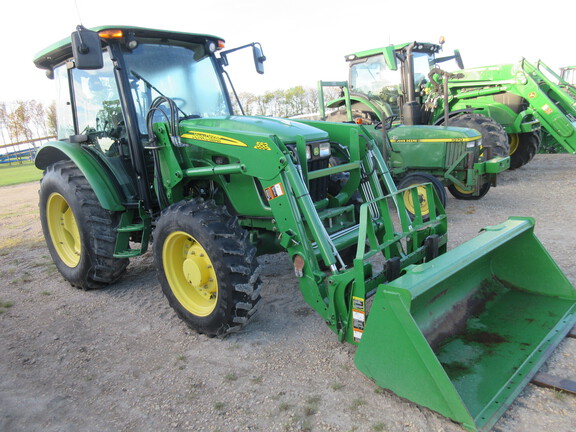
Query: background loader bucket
(464, 333)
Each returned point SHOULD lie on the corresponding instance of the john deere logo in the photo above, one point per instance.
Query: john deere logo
(208, 137)
(316, 151)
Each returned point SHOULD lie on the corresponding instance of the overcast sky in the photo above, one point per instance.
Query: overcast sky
(303, 40)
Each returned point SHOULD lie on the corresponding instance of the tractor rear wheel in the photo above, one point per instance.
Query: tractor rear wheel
(493, 134)
(465, 195)
(206, 266)
(79, 233)
(523, 147)
(419, 178)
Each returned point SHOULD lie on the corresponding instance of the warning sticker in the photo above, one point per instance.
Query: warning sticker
(274, 191)
(547, 109)
(358, 317)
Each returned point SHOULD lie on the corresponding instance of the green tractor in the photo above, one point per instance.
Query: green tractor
(516, 107)
(447, 157)
(149, 151)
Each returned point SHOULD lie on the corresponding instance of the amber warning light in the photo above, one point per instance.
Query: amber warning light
(111, 34)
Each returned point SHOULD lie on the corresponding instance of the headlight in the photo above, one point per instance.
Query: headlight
(324, 150)
(318, 150)
(472, 144)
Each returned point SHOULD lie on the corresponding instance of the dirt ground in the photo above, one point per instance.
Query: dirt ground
(119, 359)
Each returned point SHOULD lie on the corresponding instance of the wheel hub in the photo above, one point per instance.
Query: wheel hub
(190, 273)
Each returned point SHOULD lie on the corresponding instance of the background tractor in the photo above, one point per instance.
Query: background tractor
(149, 149)
(407, 81)
(451, 157)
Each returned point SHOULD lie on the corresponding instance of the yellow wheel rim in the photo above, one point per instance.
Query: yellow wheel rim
(63, 230)
(190, 273)
(462, 191)
(409, 201)
(514, 140)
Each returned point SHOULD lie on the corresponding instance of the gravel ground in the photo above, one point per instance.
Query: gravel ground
(119, 359)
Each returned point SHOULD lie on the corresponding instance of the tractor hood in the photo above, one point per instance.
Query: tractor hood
(286, 130)
(432, 134)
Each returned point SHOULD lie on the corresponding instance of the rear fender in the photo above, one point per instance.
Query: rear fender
(100, 182)
(372, 105)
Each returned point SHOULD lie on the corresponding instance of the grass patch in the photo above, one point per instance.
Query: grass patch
(284, 406)
(5, 305)
(311, 407)
(19, 173)
(337, 386)
(229, 377)
(257, 379)
(357, 403)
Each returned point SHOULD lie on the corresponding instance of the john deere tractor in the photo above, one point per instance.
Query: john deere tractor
(150, 151)
(451, 157)
(516, 107)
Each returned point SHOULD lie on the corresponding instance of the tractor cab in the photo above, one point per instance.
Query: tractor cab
(107, 80)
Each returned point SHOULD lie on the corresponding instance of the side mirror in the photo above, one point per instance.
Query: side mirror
(87, 49)
(259, 58)
(458, 59)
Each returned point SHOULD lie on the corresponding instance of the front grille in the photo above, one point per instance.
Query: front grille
(318, 187)
(454, 151)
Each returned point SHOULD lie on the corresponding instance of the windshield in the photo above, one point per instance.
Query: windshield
(373, 75)
(183, 74)
(422, 64)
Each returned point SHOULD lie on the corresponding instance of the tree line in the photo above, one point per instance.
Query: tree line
(284, 103)
(26, 119)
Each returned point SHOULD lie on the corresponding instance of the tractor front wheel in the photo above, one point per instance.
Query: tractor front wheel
(79, 233)
(418, 179)
(461, 194)
(206, 266)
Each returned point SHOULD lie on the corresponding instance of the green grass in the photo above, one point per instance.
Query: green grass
(19, 173)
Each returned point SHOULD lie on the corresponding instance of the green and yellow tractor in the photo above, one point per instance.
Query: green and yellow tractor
(150, 151)
(448, 157)
(517, 107)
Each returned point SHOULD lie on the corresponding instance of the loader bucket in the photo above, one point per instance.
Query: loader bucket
(464, 333)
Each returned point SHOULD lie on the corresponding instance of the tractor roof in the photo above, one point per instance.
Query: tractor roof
(388, 50)
(61, 51)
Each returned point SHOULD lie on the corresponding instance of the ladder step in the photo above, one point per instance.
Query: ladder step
(128, 253)
(131, 228)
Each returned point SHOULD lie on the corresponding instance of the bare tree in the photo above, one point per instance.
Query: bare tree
(37, 117)
(19, 122)
(3, 120)
(51, 119)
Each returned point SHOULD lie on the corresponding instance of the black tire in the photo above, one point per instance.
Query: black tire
(523, 148)
(493, 134)
(206, 267)
(420, 178)
(461, 195)
(79, 233)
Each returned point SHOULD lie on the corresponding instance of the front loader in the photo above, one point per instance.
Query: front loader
(149, 150)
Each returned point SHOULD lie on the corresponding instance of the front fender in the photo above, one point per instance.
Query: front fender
(100, 182)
